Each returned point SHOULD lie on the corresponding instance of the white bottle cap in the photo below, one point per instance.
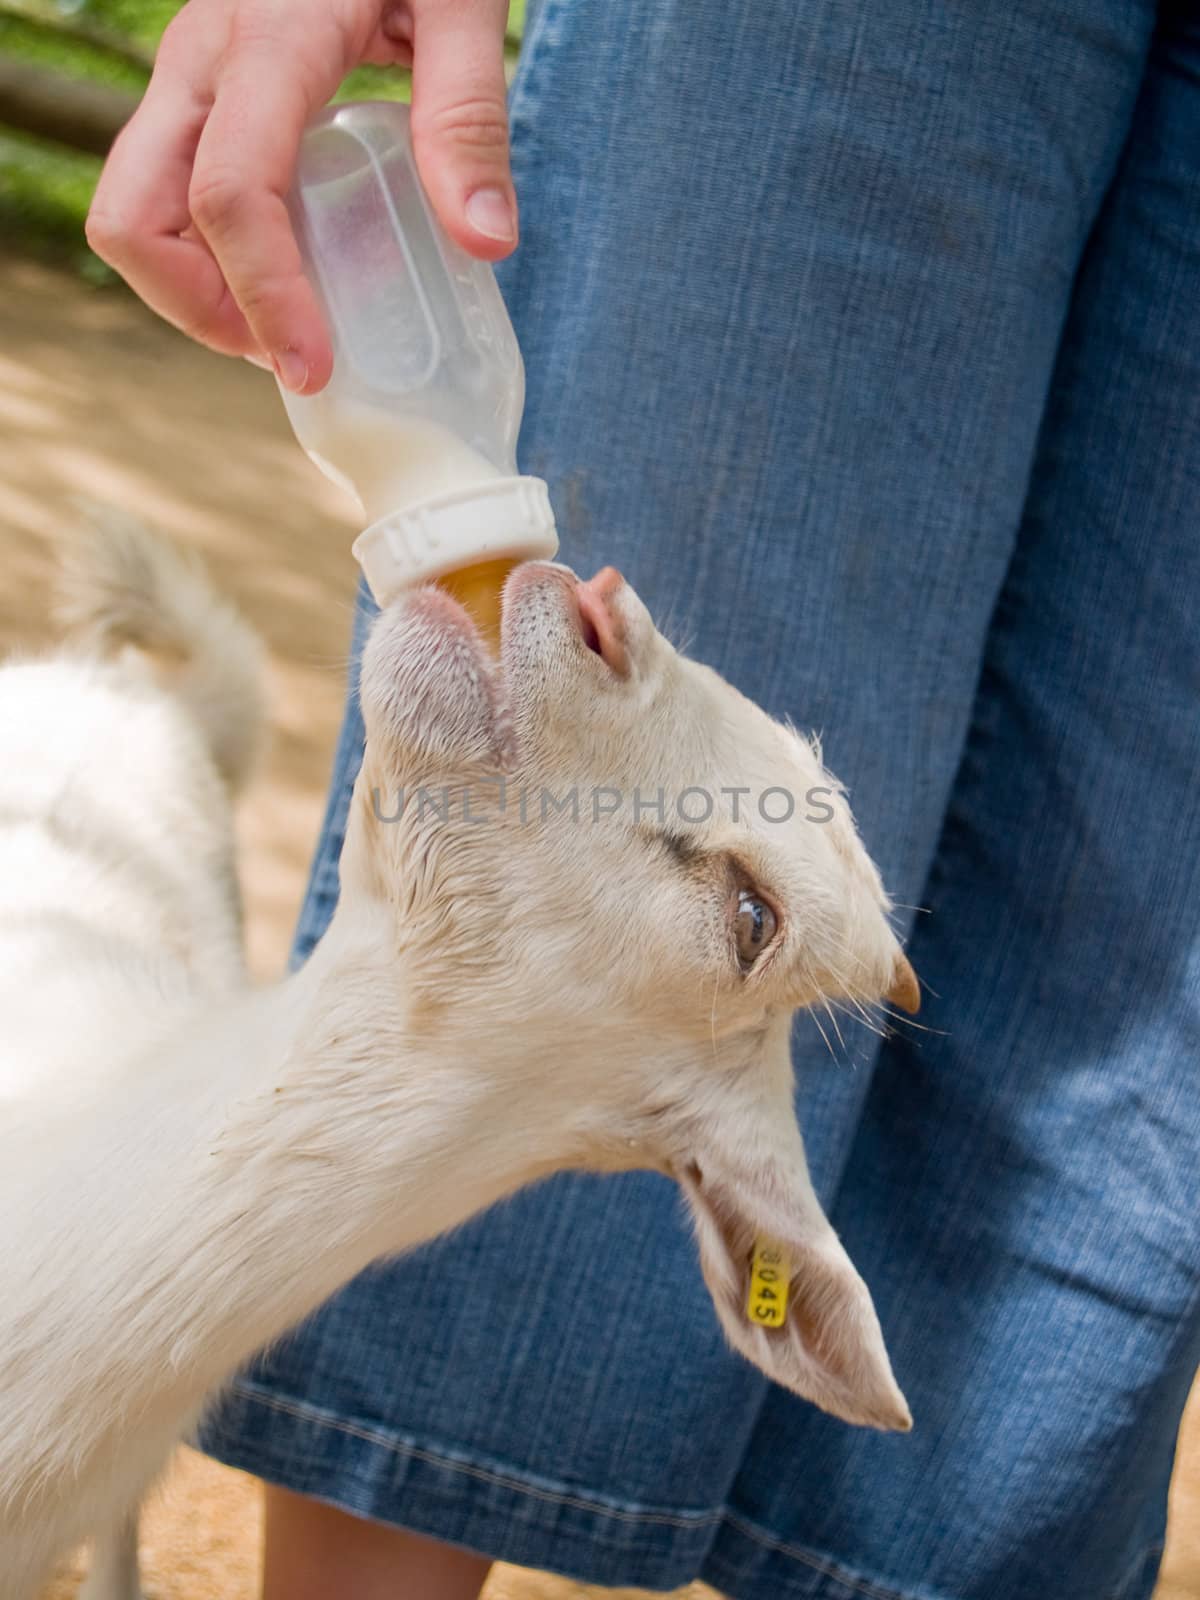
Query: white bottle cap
(490, 521)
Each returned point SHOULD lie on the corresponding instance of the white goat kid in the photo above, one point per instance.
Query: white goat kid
(188, 1166)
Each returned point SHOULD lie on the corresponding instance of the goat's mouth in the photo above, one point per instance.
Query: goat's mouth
(588, 610)
(553, 629)
(469, 610)
(453, 680)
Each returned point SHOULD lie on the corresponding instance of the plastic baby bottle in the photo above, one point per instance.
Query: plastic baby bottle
(420, 417)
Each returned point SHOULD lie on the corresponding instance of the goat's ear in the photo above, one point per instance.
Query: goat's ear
(829, 1348)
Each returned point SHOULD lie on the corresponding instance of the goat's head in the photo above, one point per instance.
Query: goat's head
(611, 872)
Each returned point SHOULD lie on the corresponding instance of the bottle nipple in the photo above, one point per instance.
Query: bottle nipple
(477, 589)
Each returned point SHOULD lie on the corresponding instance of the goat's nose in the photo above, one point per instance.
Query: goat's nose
(605, 584)
(905, 991)
(600, 620)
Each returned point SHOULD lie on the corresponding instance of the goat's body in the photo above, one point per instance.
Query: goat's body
(196, 1194)
(123, 1300)
(119, 918)
(117, 893)
(188, 1166)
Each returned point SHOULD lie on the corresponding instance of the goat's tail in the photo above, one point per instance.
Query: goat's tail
(118, 584)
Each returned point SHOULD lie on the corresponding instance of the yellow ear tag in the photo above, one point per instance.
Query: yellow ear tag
(770, 1274)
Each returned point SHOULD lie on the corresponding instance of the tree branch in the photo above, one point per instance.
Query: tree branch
(70, 111)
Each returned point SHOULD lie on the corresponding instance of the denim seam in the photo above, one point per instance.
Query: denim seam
(977, 735)
(816, 1562)
(1136, 1567)
(825, 1565)
(533, 46)
(981, 730)
(320, 901)
(698, 1519)
(874, 1590)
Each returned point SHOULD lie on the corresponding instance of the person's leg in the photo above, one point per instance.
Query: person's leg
(1024, 1192)
(313, 1551)
(321, 891)
(790, 297)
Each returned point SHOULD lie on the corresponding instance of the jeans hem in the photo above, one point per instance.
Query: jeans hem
(748, 1560)
(510, 1515)
(491, 1507)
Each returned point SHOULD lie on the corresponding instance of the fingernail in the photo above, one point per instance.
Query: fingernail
(258, 361)
(489, 213)
(291, 369)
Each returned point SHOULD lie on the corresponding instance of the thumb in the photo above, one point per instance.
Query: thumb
(460, 121)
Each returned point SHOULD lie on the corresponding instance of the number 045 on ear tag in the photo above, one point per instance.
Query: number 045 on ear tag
(770, 1273)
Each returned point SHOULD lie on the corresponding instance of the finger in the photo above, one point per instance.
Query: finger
(139, 215)
(243, 169)
(390, 43)
(460, 121)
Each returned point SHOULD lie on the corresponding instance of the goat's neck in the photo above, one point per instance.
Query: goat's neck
(288, 1138)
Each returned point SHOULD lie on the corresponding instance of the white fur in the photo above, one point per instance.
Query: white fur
(188, 1165)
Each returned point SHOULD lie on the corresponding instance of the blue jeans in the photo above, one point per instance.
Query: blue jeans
(864, 338)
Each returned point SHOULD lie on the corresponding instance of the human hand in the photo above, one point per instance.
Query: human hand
(190, 208)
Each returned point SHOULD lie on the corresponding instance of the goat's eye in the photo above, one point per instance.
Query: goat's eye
(754, 926)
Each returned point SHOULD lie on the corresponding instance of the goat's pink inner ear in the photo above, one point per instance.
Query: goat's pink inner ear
(830, 1350)
(905, 991)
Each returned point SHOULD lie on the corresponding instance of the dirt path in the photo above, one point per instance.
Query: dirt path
(99, 400)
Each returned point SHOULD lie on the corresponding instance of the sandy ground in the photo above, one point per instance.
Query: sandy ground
(99, 400)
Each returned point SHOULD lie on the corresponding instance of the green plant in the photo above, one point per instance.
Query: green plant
(46, 188)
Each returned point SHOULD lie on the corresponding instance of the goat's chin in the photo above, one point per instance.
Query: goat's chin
(433, 697)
